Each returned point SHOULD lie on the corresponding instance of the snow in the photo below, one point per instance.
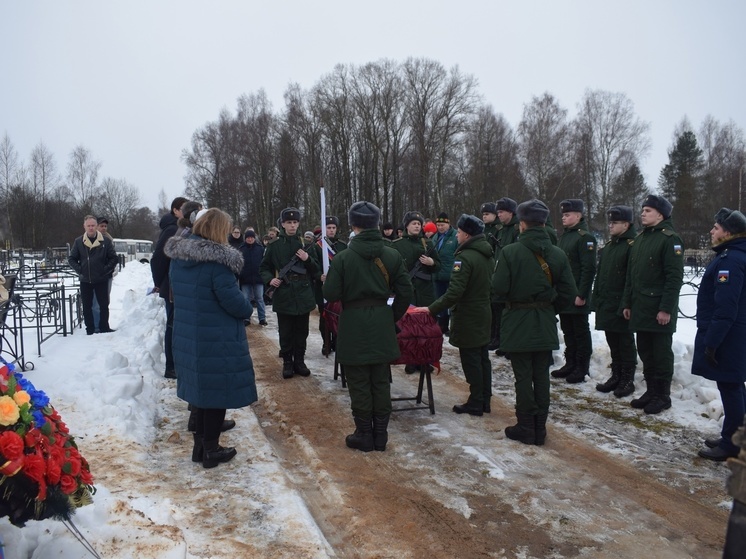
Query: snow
(111, 387)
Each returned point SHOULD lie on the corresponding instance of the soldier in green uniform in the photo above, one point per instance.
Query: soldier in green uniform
(608, 290)
(333, 246)
(507, 234)
(651, 300)
(293, 298)
(491, 224)
(445, 243)
(580, 247)
(363, 277)
(536, 280)
(468, 296)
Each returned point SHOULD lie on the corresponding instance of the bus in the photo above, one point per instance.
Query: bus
(134, 249)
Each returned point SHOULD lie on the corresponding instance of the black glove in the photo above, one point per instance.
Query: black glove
(710, 354)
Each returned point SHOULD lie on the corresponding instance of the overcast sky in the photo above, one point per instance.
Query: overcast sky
(132, 80)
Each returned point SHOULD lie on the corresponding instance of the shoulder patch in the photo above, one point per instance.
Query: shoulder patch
(677, 250)
(457, 265)
(723, 276)
(590, 245)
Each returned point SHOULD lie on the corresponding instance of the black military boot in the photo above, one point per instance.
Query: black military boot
(567, 368)
(287, 365)
(540, 427)
(524, 431)
(582, 364)
(613, 381)
(198, 449)
(626, 384)
(644, 400)
(380, 431)
(214, 454)
(299, 367)
(362, 438)
(661, 399)
(470, 407)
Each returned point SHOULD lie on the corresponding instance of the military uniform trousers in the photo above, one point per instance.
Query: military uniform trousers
(622, 348)
(577, 335)
(656, 354)
(370, 389)
(475, 361)
(293, 333)
(531, 370)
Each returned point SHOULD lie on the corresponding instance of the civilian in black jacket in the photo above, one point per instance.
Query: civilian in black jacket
(250, 280)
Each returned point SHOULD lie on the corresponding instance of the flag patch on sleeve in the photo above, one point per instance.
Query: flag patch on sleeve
(723, 276)
(589, 244)
(457, 266)
(677, 250)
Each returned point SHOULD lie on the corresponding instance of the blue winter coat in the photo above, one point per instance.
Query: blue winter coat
(252, 258)
(721, 315)
(211, 352)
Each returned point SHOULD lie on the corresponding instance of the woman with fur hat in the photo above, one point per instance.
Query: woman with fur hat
(210, 348)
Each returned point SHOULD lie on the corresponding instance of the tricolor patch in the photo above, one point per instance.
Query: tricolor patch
(723, 276)
(677, 250)
(589, 245)
(457, 266)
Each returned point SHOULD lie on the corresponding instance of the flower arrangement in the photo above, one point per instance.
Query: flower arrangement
(42, 474)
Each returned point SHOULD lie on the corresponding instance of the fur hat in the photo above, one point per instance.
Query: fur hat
(733, 221)
(442, 218)
(332, 220)
(620, 213)
(364, 215)
(506, 205)
(289, 214)
(572, 205)
(470, 224)
(488, 208)
(409, 217)
(430, 227)
(533, 210)
(659, 203)
(387, 225)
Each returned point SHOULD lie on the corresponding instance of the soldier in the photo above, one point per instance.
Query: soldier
(507, 234)
(362, 278)
(293, 298)
(536, 280)
(489, 217)
(468, 295)
(445, 243)
(580, 247)
(608, 290)
(335, 245)
(651, 300)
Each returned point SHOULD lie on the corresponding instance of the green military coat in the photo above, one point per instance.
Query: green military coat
(296, 296)
(411, 248)
(608, 289)
(529, 321)
(366, 333)
(507, 235)
(337, 246)
(580, 247)
(654, 276)
(446, 250)
(490, 233)
(468, 294)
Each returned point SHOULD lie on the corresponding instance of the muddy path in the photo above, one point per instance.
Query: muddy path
(606, 484)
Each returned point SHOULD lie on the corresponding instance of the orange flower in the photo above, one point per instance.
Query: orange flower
(9, 413)
(21, 397)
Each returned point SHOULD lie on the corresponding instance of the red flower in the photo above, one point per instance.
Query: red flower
(11, 445)
(68, 484)
(35, 468)
(32, 438)
(54, 465)
(85, 476)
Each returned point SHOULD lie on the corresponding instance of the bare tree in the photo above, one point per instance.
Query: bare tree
(44, 180)
(724, 151)
(82, 178)
(118, 202)
(9, 168)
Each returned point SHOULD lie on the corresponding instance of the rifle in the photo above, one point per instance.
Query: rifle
(282, 275)
(416, 269)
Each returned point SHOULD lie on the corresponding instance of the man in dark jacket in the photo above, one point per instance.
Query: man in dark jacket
(580, 247)
(445, 243)
(332, 246)
(362, 278)
(93, 258)
(507, 234)
(159, 265)
(719, 349)
(608, 290)
(536, 280)
(651, 300)
(468, 295)
(293, 298)
(250, 280)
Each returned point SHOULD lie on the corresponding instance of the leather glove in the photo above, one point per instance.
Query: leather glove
(710, 354)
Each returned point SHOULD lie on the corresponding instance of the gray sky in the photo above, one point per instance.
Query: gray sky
(133, 80)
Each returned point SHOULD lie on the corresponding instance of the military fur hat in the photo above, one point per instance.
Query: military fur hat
(289, 214)
(620, 213)
(332, 220)
(387, 225)
(488, 208)
(506, 205)
(442, 218)
(409, 217)
(533, 210)
(470, 224)
(659, 203)
(364, 215)
(572, 205)
(732, 221)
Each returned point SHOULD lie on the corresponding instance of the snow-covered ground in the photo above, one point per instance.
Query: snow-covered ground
(110, 387)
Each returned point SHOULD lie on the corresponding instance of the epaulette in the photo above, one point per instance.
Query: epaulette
(582, 232)
(668, 233)
(630, 242)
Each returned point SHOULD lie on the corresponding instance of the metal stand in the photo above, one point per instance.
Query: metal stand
(425, 371)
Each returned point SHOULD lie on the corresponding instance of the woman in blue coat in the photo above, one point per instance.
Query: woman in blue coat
(209, 341)
(719, 349)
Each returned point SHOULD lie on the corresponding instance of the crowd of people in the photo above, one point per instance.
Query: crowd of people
(494, 282)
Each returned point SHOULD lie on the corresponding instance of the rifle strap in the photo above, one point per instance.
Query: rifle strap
(383, 269)
(544, 267)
